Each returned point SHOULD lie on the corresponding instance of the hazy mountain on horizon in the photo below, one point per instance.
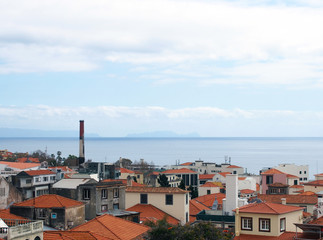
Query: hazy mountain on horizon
(18, 132)
(158, 134)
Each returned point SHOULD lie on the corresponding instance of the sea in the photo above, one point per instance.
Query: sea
(253, 154)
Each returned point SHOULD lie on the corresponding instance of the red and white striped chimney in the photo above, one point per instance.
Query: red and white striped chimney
(81, 154)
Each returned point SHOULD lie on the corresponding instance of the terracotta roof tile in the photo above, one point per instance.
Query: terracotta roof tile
(272, 171)
(283, 236)
(206, 176)
(257, 187)
(296, 186)
(246, 191)
(178, 171)
(39, 172)
(113, 227)
(208, 200)
(210, 184)
(196, 207)
(291, 176)
(317, 221)
(290, 199)
(5, 214)
(278, 184)
(224, 173)
(307, 193)
(151, 213)
(20, 166)
(319, 174)
(268, 208)
(73, 235)
(49, 201)
(315, 183)
(241, 178)
(186, 164)
(234, 166)
(124, 170)
(25, 159)
(156, 190)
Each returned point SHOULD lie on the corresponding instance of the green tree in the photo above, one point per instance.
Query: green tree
(194, 191)
(182, 185)
(163, 181)
(161, 230)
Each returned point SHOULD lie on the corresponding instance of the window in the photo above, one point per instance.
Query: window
(169, 199)
(86, 194)
(53, 215)
(208, 192)
(104, 194)
(2, 191)
(186, 215)
(104, 208)
(295, 182)
(116, 192)
(37, 179)
(45, 179)
(28, 181)
(301, 179)
(304, 172)
(283, 224)
(264, 225)
(42, 213)
(143, 199)
(246, 223)
(300, 172)
(52, 178)
(234, 172)
(305, 178)
(186, 198)
(269, 179)
(116, 206)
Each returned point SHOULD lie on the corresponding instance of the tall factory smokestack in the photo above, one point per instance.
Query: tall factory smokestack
(81, 155)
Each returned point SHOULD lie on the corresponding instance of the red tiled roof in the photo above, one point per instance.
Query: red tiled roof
(39, 172)
(291, 176)
(246, 191)
(113, 227)
(210, 184)
(186, 164)
(176, 171)
(290, 199)
(208, 200)
(315, 183)
(49, 201)
(296, 186)
(20, 165)
(241, 178)
(278, 184)
(317, 221)
(283, 236)
(5, 214)
(149, 212)
(206, 176)
(195, 208)
(155, 190)
(73, 235)
(307, 193)
(268, 208)
(224, 173)
(319, 174)
(25, 159)
(234, 166)
(272, 171)
(124, 170)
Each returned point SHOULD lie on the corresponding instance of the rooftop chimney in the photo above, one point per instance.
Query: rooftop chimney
(81, 154)
(283, 201)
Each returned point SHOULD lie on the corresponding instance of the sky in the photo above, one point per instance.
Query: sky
(238, 68)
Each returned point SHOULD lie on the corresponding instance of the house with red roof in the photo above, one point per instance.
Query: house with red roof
(124, 173)
(34, 183)
(149, 212)
(190, 177)
(208, 200)
(173, 201)
(114, 228)
(308, 202)
(272, 176)
(267, 221)
(73, 235)
(210, 188)
(234, 169)
(220, 177)
(27, 160)
(300, 171)
(16, 167)
(203, 178)
(195, 208)
(314, 186)
(56, 211)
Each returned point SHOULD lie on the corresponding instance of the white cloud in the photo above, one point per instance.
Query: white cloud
(269, 42)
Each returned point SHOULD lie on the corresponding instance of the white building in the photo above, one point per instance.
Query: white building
(299, 171)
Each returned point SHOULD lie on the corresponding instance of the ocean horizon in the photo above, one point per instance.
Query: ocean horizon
(252, 153)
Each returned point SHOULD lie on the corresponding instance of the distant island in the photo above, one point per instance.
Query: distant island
(18, 132)
(161, 134)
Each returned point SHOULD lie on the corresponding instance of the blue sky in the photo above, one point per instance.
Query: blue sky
(217, 68)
